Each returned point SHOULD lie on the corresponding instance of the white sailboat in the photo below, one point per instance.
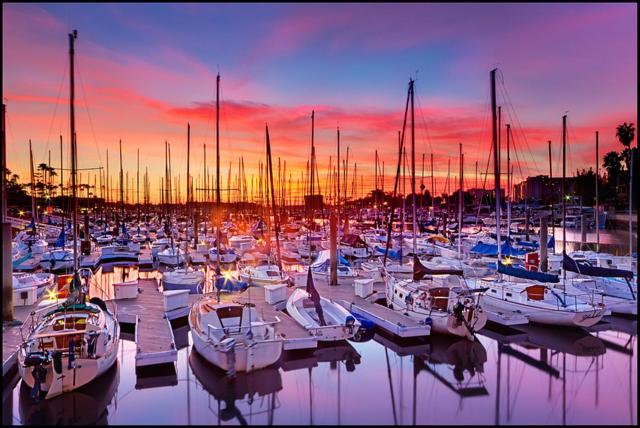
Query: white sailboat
(234, 337)
(72, 343)
(335, 323)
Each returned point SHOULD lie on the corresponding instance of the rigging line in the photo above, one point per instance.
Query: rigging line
(426, 128)
(86, 106)
(55, 111)
(515, 397)
(507, 98)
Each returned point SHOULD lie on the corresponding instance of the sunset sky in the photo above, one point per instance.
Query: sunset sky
(144, 70)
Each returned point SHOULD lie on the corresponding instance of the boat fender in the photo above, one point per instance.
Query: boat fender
(72, 353)
(99, 302)
(57, 361)
(350, 322)
(428, 321)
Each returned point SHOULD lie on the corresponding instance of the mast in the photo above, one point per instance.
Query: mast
(338, 162)
(273, 201)
(413, 168)
(72, 121)
(138, 185)
(433, 191)
(564, 198)
(496, 161)
(597, 210)
(460, 204)
(218, 141)
(218, 169)
(34, 213)
(509, 184)
(121, 185)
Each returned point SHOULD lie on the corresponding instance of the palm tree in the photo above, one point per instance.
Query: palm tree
(626, 134)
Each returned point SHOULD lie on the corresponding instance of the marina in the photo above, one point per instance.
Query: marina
(326, 263)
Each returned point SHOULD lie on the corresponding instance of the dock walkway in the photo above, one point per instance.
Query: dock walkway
(391, 321)
(154, 339)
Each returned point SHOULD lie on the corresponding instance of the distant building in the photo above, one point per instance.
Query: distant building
(542, 189)
(486, 193)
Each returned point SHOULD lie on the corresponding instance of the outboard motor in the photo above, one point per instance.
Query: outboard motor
(229, 348)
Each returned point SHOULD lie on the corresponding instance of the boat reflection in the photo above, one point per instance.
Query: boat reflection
(457, 363)
(84, 406)
(245, 387)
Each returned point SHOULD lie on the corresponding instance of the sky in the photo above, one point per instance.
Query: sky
(143, 71)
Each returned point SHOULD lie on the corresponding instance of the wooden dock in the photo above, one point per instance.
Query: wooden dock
(11, 338)
(387, 319)
(155, 343)
(295, 336)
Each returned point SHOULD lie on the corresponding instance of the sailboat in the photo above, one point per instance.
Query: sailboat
(72, 343)
(123, 250)
(270, 273)
(327, 320)
(442, 299)
(531, 293)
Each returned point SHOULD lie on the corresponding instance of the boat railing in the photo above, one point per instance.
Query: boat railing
(240, 329)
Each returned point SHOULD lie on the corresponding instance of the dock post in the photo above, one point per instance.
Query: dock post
(526, 224)
(7, 265)
(333, 244)
(544, 238)
(583, 231)
(7, 283)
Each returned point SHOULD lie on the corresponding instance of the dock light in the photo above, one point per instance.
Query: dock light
(227, 275)
(51, 294)
(567, 197)
(508, 261)
(20, 213)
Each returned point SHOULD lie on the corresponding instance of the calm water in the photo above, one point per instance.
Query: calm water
(556, 376)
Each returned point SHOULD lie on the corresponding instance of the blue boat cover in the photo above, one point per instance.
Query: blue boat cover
(527, 274)
(533, 245)
(393, 254)
(492, 250)
(61, 239)
(225, 284)
(585, 268)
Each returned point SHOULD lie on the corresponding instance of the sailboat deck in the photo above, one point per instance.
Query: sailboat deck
(385, 318)
(295, 336)
(11, 338)
(155, 343)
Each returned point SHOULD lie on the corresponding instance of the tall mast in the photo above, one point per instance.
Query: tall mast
(564, 198)
(138, 185)
(121, 185)
(61, 179)
(188, 172)
(338, 162)
(433, 190)
(106, 178)
(34, 213)
(273, 200)
(597, 210)
(413, 169)
(218, 141)
(496, 161)
(72, 121)
(460, 203)
(508, 183)
(4, 169)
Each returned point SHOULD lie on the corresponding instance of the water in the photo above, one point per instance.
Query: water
(557, 376)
